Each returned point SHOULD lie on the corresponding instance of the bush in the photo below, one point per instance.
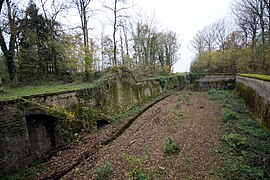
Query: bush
(235, 140)
(171, 147)
(214, 94)
(104, 171)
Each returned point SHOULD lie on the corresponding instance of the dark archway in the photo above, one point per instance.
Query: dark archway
(41, 133)
(102, 123)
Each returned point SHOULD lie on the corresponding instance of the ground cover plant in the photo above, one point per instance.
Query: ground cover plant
(246, 144)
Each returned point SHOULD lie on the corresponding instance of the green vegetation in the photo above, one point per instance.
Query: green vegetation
(171, 146)
(256, 76)
(136, 171)
(246, 145)
(104, 171)
(25, 173)
(13, 93)
(128, 113)
(228, 116)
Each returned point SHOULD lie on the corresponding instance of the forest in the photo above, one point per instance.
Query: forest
(236, 44)
(38, 45)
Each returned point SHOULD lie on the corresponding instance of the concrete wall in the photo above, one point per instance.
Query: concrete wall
(221, 82)
(24, 123)
(256, 94)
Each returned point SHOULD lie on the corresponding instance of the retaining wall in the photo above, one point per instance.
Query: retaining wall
(38, 114)
(256, 94)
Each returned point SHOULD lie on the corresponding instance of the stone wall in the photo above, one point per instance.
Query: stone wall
(256, 94)
(25, 124)
(221, 82)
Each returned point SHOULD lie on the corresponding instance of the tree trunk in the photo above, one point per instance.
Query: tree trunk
(114, 34)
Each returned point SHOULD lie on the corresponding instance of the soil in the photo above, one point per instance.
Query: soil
(189, 118)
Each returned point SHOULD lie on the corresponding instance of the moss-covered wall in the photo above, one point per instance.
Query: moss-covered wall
(74, 111)
(256, 94)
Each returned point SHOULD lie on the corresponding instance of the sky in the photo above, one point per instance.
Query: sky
(186, 17)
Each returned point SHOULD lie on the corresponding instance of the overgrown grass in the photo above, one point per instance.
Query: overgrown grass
(13, 93)
(246, 145)
(256, 76)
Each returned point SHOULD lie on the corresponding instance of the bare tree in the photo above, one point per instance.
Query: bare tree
(198, 42)
(222, 30)
(118, 7)
(83, 7)
(210, 37)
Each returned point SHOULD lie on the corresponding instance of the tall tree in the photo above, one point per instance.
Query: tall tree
(83, 7)
(9, 50)
(117, 16)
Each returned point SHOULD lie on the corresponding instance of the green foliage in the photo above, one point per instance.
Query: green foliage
(229, 116)
(104, 171)
(232, 61)
(138, 174)
(171, 146)
(128, 113)
(235, 140)
(136, 171)
(245, 142)
(214, 94)
(162, 81)
(165, 70)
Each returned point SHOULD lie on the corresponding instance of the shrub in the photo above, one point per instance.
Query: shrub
(104, 171)
(171, 147)
(235, 140)
(228, 116)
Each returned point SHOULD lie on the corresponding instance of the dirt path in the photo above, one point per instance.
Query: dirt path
(187, 117)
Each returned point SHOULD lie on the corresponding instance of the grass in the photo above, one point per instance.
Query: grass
(171, 146)
(131, 112)
(136, 170)
(104, 171)
(14, 93)
(256, 76)
(245, 144)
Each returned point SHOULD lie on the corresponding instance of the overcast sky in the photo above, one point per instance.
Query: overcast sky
(186, 17)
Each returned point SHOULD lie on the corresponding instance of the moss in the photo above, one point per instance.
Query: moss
(256, 76)
(256, 103)
(89, 118)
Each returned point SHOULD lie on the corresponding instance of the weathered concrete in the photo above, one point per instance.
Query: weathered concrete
(261, 87)
(32, 126)
(256, 94)
(224, 82)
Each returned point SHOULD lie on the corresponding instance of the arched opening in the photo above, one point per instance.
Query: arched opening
(41, 133)
(102, 123)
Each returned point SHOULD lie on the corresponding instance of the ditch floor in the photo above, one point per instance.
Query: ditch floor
(189, 118)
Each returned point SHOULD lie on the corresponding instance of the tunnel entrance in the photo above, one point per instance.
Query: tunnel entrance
(41, 133)
(102, 123)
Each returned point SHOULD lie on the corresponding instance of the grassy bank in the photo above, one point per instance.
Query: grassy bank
(13, 93)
